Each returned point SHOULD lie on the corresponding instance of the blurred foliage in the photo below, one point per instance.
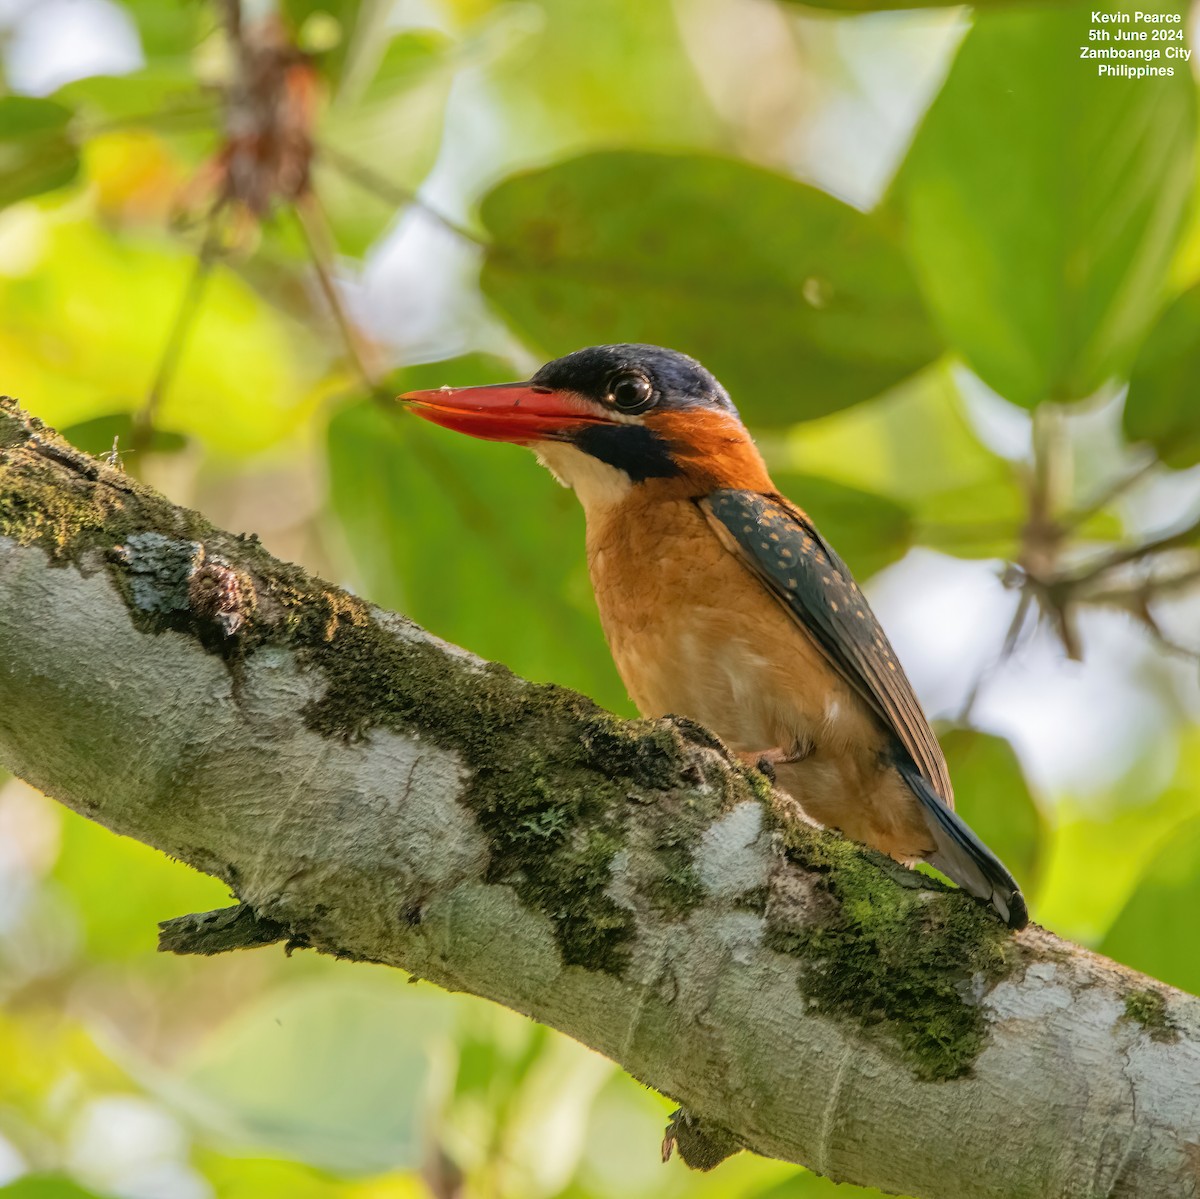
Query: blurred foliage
(1154, 931)
(1042, 219)
(222, 256)
(36, 154)
(994, 797)
(709, 252)
(45, 1186)
(1162, 399)
(460, 499)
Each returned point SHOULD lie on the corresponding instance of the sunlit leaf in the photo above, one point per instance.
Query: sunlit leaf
(40, 1049)
(159, 114)
(800, 304)
(1163, 404)
(37, 150)
(864, 6)
(269, 1178)
(167, 30)
(323, 29)
(917, 446)
(405, 61)
(1103, 844)
(1156, 930)
(46, 1186)
(1044, 202)
(333, 1074)
(382, 136)
(473, 540)
(590, 75)
(86, 322)
(118, 922)
(992, 795)
(868, 530)
(803, 1185)
(159, 96)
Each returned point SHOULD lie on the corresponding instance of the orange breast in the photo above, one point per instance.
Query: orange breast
(694, 634)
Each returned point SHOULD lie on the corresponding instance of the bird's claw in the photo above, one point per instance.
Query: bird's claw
(766, 760)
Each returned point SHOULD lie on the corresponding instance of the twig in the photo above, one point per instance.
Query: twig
(315, 230)
(1108, 495)
(238, 927)
(1132, 553)
(1006, 651)
(142, 435)
(231, 13)
(384, 189)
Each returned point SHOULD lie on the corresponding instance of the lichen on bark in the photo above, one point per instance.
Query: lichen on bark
(553, 779)
(1148, 1007)
(894, 950)
(554, 806)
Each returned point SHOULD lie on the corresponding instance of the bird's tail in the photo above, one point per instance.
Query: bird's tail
(962, 856)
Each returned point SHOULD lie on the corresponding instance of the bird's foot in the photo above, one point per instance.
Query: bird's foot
(765, 760)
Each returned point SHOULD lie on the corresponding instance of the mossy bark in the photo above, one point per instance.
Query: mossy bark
(373, 793)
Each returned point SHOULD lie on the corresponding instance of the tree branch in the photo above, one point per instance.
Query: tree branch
(371, 792)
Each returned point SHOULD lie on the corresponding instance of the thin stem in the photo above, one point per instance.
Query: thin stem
(1006, 651)
(1133, 553)
(231, 12)
(384, 189)
(142, 435)
(315, 230)
(1117, 488)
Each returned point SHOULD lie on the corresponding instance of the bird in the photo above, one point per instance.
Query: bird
(722, 602)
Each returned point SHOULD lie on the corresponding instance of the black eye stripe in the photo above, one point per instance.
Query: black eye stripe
(635, 449)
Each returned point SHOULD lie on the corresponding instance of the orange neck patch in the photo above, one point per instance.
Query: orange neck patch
(712, 449)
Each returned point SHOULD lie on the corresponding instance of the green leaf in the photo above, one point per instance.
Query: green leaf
(1163, 404)
(1044, 203)
(106, 435)
(84, 329)
(803, 1185)
(118, 922)
(168, 30)
(324, 29)
(158, 95)
(37, 152)
(242, 1177)
(993, 797)
(865, 6)
(592, 75)
(387, 123)
(869, 530)
(46, 1186)
(333, 1074)
(471, 539)
(917, 446)
(800, 304)
(1156, 930)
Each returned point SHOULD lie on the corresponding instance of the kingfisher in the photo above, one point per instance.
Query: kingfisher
(721, 601)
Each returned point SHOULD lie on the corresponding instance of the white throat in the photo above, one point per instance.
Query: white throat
(597, 484)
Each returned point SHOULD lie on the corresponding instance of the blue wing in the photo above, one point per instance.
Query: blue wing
(783, 548)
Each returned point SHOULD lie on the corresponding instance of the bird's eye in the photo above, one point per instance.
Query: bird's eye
(630, 392)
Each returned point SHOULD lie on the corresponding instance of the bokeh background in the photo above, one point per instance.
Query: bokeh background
(950, 276)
